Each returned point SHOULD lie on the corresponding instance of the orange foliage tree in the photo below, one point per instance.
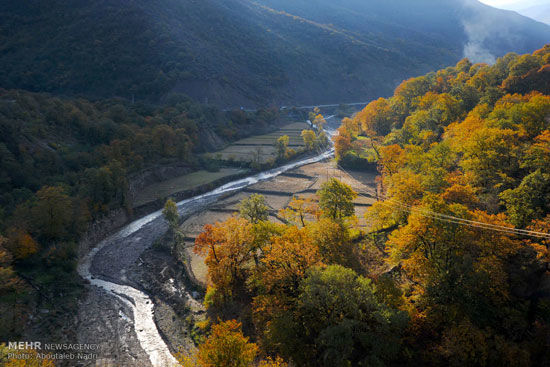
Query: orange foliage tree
(227, 347)
(228, 249)
(21, 244)
(299, 209)
(283, 265)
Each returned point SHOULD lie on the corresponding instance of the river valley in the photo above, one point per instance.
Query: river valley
(119, 307)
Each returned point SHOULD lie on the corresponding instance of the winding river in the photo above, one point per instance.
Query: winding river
(139, 302)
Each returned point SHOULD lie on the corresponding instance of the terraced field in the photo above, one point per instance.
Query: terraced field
(245, 150)
(193, 180)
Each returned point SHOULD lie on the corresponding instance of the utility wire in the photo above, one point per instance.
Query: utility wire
(467, 221)
(475, 224)
(456, 220)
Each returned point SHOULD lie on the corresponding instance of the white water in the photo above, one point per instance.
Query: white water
(140, 304)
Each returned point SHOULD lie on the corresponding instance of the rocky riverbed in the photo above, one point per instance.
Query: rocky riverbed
(131, 328)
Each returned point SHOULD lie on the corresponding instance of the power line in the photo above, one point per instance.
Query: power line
(457, 220)
(475, 224)
(494, 226)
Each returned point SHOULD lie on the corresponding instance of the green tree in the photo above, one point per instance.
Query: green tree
(254, 208)
(339, 321)
(52, 214)
(170, 213)
(336, 199)
(523, 64)
(530, 200)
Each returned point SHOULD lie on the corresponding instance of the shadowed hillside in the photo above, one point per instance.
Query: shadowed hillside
(241, 52)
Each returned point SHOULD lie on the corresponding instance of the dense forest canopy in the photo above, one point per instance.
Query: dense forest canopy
(66, 162)
(241, 52)
(462, 225)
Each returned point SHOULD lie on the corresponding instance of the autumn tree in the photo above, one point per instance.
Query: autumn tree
(376, 118)
(281, 146)
(462, 164)
(491, 155)
(32, 359)
(300, 208)
(227, 347)
(541, 244)
(537, 155)
(524, 64)
(333, 241)
(342, 143)
(308, 137)
(392, 157)
(228, 249)
(316, 111)
(319, 122)
(254, 208)
(8, 278)
(21, 244)
(336, 199)
(283, 264)
(438, 254)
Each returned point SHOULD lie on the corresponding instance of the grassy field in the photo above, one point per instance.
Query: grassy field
(245, 150)
(186, 182)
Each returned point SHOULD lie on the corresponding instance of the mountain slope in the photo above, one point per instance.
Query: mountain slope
(242, 52)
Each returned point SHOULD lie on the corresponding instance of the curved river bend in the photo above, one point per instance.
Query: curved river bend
(140, 303)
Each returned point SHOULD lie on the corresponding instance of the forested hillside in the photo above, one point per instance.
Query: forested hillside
(241, 52)
(66, 162)
(461, 228)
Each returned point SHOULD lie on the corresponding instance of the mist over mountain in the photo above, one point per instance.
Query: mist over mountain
(243, 52)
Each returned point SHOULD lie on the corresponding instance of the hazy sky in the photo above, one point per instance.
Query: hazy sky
(536, 9)
(515, 4)
(498, 3)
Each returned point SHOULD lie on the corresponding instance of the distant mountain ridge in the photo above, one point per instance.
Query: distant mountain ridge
(535, 9)
(243, 52)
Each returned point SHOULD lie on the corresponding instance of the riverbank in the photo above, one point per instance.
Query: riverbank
(107, 266)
